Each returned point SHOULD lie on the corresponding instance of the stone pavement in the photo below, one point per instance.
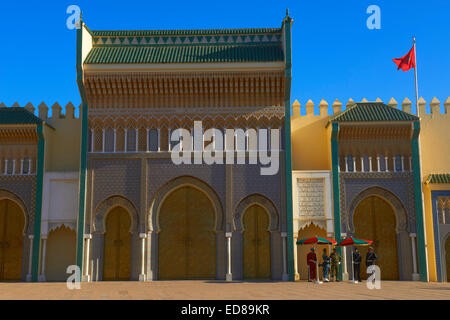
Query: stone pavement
(198, 290)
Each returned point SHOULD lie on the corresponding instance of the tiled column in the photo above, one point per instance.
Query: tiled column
(30, 259)
(126, 140)
(386, 163)
(444, 220)
(148, 140)
(92, 140)
(344, 259)
(415, 275)
(137, 140)
(281, 138)
(143, 236)
(297, 276)
(86, 275)
(284, 276)
(103, 140)
(41, 277)
(149, 265)
(168, 137)
(229, 276)
(115, 140)
(370, 164)
(159, 139)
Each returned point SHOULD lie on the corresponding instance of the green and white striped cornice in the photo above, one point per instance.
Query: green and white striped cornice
(109, 40)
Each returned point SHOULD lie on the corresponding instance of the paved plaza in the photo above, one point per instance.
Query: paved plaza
(199, 290)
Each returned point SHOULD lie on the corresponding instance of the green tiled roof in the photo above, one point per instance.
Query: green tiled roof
(184, 54)
(372, 111)
(131, 33)
(186, 46)
(18, 115)
(438, 178)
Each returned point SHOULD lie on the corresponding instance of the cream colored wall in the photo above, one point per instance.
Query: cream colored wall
(435, 140)
(435, 156)
(63, 143)
(310, 139)
(60, 200)
(86, 45)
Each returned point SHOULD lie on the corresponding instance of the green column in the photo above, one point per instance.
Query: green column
(335, 177)
(38, 203)
(82, 191)
(287, 149)
(83, 156)
(418, 202)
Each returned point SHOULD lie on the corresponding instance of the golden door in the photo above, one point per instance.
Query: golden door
(187, 241)
(61, 253)
(256, 243)
(374, 219)
(447, 257)
(12, 222)
(117, 247)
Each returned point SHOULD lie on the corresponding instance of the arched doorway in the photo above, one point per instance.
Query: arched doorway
(256, 240)
(310, 231)
(447, 257)
(12, 222)
(117, 245)
(61, 253)
(187, 240)
(375, 219)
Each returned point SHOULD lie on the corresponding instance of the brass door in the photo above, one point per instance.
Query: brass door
(447, 257)
(187, 241)
(61, 253)
(256, 243)
(117, 247)
(374, 219)
(12, 222)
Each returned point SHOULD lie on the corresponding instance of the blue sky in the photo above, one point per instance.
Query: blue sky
(335, 56)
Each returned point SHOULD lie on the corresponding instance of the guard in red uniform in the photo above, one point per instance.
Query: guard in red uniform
(311, 260)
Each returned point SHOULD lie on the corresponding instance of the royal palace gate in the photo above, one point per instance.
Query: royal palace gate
(145, 217)
(378, 197)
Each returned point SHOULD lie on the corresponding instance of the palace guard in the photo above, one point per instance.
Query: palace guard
(335, 262)
(371, 257)
(357, 265)
(311, 260)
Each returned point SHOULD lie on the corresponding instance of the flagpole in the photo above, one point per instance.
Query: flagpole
(418, 149)
(415, 77)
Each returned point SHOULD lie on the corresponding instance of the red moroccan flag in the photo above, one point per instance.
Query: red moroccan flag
(408, 61)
